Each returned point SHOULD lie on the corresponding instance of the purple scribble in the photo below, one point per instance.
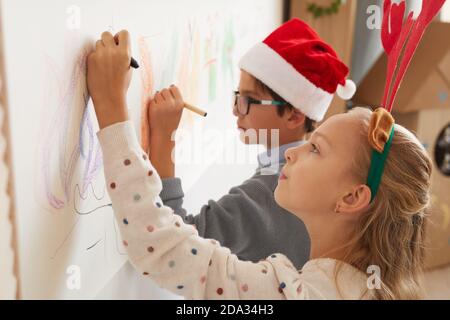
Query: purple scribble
(93, 157)
(83, 152)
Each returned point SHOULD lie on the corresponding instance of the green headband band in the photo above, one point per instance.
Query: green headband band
(377, 166)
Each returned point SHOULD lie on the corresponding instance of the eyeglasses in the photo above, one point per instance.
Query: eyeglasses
(242, 103)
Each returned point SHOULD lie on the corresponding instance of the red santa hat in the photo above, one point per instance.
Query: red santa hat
(295, 63)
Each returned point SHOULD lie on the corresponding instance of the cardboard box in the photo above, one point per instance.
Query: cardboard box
(423, 106)
(427, 81)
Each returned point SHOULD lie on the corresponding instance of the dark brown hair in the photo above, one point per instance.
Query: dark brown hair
(309, 123)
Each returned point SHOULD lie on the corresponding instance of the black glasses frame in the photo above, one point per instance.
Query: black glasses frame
(249, 101)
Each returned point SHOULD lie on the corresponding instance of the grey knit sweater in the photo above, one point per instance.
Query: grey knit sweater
(247, 220)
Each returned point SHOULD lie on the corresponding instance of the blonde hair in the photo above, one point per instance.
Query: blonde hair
(391, 234)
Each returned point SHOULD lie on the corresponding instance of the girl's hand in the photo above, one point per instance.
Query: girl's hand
(109, 76)
(164, 112)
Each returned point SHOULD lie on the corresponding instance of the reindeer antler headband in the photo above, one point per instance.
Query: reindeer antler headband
(400, 40)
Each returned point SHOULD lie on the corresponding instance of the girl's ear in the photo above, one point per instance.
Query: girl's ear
(294, 118)
(355, 201)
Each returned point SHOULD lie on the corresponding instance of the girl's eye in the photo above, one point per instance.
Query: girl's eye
(314, 148)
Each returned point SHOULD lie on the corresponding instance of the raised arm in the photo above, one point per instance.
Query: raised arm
(160, 245)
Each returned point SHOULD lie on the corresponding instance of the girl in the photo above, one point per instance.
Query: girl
(323, 183)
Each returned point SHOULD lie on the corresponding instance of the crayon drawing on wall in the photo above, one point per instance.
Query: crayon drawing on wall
(68, 240)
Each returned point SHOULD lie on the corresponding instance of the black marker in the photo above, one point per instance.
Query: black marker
(134, 63)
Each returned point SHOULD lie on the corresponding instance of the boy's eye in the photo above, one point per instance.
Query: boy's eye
(314, 148)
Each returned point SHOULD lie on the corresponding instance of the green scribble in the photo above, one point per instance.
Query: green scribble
(227, 50)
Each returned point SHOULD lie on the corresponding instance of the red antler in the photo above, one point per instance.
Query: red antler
(400, 41)
(392, 24)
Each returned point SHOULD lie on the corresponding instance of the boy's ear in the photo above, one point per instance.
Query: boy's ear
(295, 118)
(355, 201)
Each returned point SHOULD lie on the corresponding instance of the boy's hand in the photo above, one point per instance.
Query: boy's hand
(109, 76)
(164, 113)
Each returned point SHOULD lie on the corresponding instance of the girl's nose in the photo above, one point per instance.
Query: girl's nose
(292, 154)
(289, 154)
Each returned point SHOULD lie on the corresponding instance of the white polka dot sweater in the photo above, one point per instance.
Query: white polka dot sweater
(171, 253)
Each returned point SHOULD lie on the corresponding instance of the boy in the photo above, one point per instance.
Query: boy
(286, 84)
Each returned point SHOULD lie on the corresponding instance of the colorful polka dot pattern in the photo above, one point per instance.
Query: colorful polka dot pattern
(194, 251)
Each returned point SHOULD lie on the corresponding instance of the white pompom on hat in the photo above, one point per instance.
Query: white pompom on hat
(347, 91)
